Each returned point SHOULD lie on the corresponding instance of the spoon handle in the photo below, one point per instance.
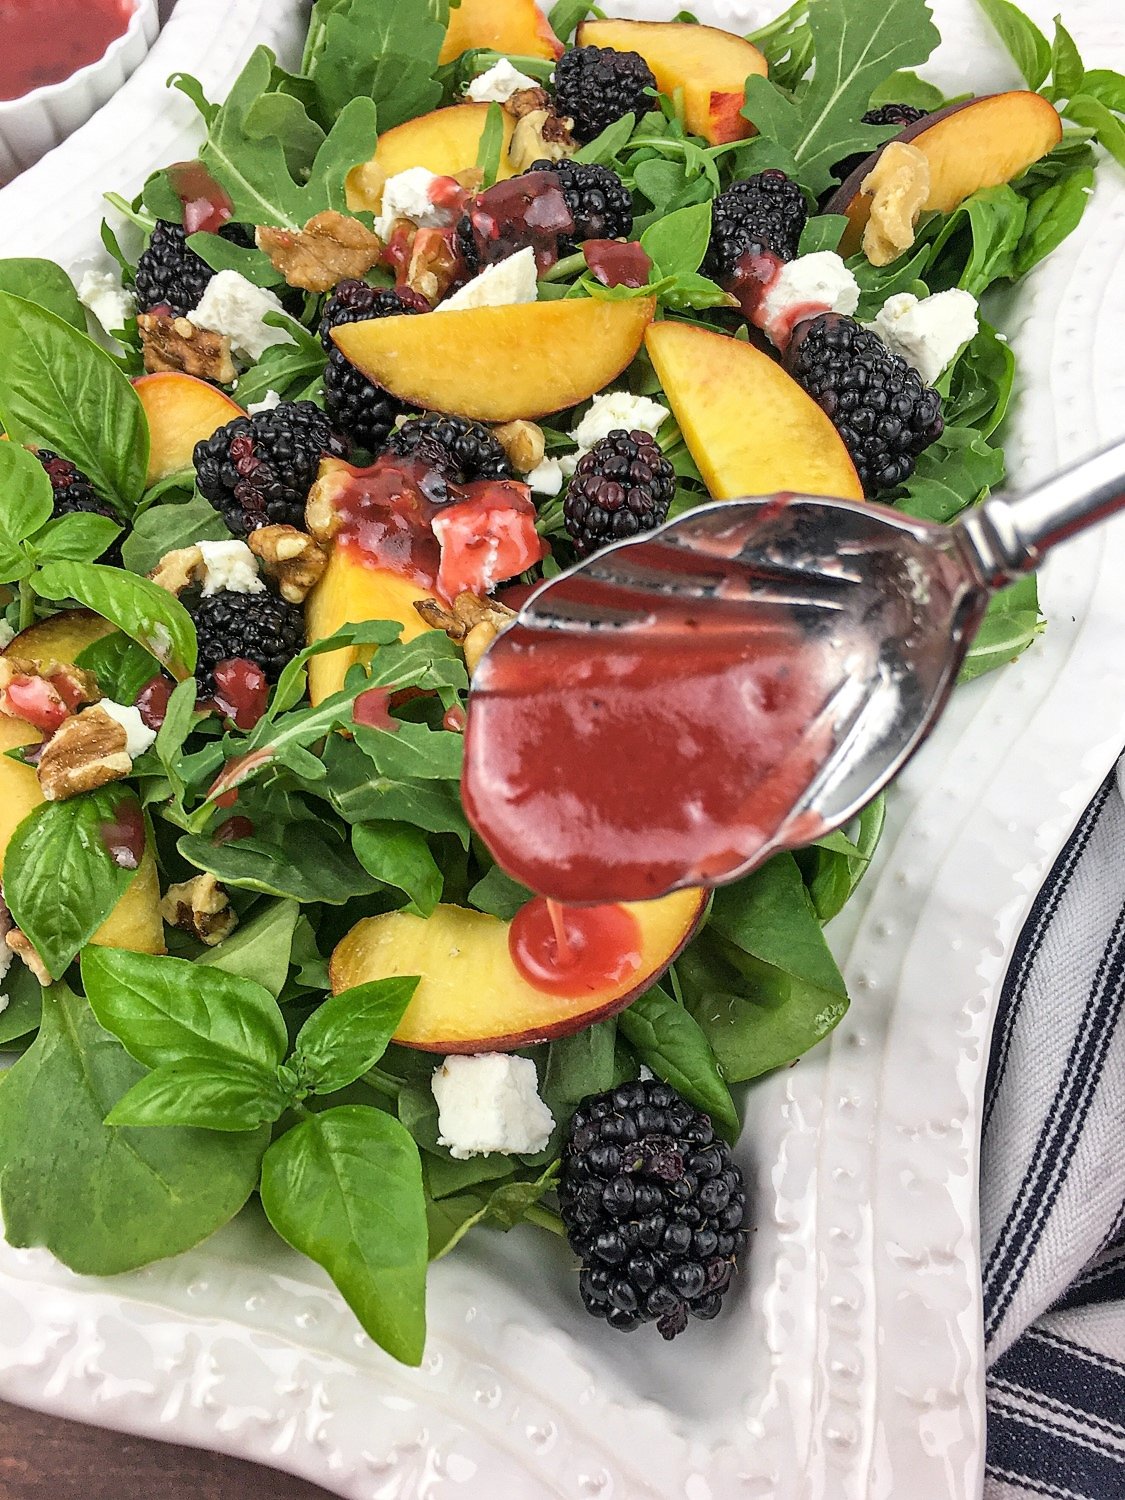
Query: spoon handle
(1007, 537)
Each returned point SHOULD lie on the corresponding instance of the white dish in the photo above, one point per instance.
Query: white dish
(32, 124)
(850, 1364)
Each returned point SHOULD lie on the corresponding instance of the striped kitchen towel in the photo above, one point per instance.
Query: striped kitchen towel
(1053, 1182)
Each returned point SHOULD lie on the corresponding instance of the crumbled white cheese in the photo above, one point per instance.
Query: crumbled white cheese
(500, 285)
(819, 282)
(499, 84)
(138, 736)
(231, 566)
(407, 195)
(7, 634)
(616, 409)
(490, 1103)
(267, 403)
(236, 307)
(547, 477)
(930, 333)
(111, 305)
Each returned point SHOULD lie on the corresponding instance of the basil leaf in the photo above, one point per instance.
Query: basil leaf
(677, 242)
(102, 1199)
(834, 866)
(165, 1010)
(565, 15)
(223, 255)
(45, 284)
(121, 666)
(1010, 625)
(312, 866)
(259, 949)
(345, 1188)
(1030, 49)
(399, 855)
(576, 1067)
(59, 388)
(450, 1220)
(1052, 215)
(672, 1043)
(58, 850)
(499, 895)
(76, 538)
(22, 1013)
(1108, 128)
(1067, 72)
(209, 1095)
(148, 614)
(164, 528)
(28, 498)
(348, 1034)
(822, 232)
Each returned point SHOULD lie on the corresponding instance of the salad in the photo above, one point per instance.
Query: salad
(472, 294)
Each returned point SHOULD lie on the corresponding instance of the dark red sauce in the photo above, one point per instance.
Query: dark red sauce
(124, 834)
(617, 765)
(447, 194)
(241, 691)
(152, 701)
(617, 262)
(233, 829)
(404, 516)
(753, 275)
(454, 719)
(521, 211)
(38, 702)
(373, 709)
(574, 950)
(207, 206)
(45, 41)
(235, 772)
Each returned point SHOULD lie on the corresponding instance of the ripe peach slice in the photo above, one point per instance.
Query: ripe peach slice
(711, 66)
(353, 589)
(980, 143)
(750, 427)
(471, 997)
(499, 363)
(181, 412)
(445, 141)
(515, 26)
(135, 921)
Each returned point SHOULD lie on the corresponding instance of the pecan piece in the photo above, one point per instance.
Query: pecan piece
(331, 247)
(291, 558)
(176, 344)
(200, 906)
(85, 752)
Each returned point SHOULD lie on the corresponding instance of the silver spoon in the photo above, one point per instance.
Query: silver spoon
(904, 599)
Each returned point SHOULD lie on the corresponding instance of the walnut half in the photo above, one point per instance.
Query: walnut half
(200, 906)
(22, 947)
(291, 558)
(177, 344)
(473, 622)
(523, 442)
(540, 135)
(331, 247)
(85, 752)
(179, 570)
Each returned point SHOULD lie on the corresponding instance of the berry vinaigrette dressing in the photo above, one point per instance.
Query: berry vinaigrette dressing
(45, 41)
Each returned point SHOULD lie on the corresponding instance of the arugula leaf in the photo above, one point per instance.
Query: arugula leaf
(223, 255)
(1011, 625)
(384, 50)
(856, 47)
(207, 1095)
(565, 16)
(605, 146)
(673, 1044)
(347, 1035)
(906, 87)
(451, 1219)
(491, 147)
(822, 232)
(677, 242)
(1030, 49)
(143, 611)
(103, 1199)
(60, 389)
(251, 164)
(345, 1188)
(45, 284)
(399, 856)
(413, 750)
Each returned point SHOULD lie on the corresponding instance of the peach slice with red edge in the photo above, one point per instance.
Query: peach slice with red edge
(445, 141)
(182, 411)
(710, 66)
(979, 143)
(495, 364)
(749, 426)
(472, 998)
(134, 922)
(517, 27)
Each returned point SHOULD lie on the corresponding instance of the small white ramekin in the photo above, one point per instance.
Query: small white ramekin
(32, 124)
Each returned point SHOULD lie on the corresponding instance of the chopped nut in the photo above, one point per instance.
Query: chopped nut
(291, 558)
(176, 344)
(524, 444)
(364, 187)
(898, 184)
(524, 101)
(23, 949)
(85, 752)
(331, 247)
(178, 570)
(470, 178)
(472, 622)
(200, 906)
(321, 516)
(539, 136)
(433, 265)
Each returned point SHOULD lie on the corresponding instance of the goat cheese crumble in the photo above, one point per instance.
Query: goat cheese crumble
(499, 83)
(233, 306)
(927, 333)
(231, 566)
(501, 285)
(267, 403)
(407, 195)
(138, 736)
(103, 295)
(821, 281)
(490, 1103)
(618, 409)
(547, 477)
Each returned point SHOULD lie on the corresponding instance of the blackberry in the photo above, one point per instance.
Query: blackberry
(876, 401)
(622, 486)
(357, 406)
(886, 114)
(261, 628)
(763, 212)
(595, 86)
(653, 1204)
(169, 273)
(72, 492)
(458, 449)
(597, 198)
(257, 471)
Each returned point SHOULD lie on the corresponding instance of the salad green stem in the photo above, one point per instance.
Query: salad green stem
(137, 216)
(535, 1213)
(563, 269)
(27, 604)
(382, 1083)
